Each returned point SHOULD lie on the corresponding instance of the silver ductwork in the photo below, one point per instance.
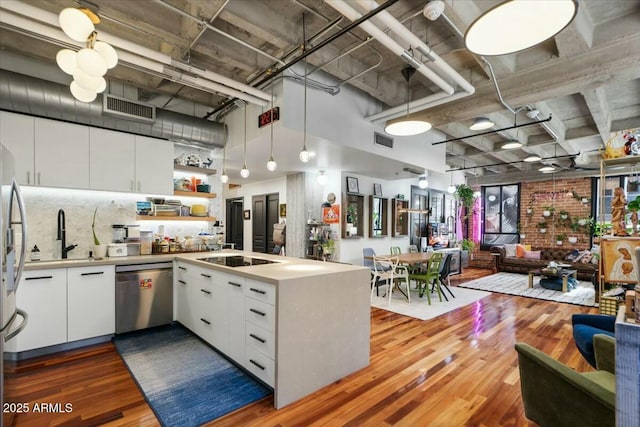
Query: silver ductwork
(29, 95)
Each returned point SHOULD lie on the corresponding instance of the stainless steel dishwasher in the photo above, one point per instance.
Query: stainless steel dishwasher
(144, 296)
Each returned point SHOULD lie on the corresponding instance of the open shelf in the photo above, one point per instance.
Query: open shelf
(175, 218)
(194, 194)
(194, 169)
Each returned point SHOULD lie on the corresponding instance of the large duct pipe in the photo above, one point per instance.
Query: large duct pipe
(28, 95)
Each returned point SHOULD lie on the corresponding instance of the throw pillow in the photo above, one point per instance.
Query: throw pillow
(586, 258)
(573, 256)
(520, 249)
(532, 255)
(510, 250)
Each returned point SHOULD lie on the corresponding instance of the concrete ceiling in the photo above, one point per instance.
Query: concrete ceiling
(587, 78)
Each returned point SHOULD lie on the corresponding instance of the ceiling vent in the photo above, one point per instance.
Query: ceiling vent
(385, 141)
(127, 109)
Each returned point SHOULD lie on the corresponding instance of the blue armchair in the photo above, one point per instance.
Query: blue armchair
(585, 326)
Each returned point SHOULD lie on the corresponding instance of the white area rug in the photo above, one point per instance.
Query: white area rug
(518, 284)
(419, 307)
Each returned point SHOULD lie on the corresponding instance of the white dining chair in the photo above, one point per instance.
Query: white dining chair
(387, 270)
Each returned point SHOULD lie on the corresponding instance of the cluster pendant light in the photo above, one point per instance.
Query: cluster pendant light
(224, 178)
(407, 127)
(88, 65)
(244, 172)
(271, 164)
(516, 25)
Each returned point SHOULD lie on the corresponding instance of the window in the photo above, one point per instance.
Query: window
(500, 214)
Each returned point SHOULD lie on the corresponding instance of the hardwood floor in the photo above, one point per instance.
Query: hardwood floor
(459, 369)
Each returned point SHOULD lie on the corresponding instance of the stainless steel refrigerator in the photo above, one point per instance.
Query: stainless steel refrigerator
(13, 239)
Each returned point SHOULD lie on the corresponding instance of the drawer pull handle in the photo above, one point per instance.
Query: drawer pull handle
(182, 282)
(235, 284)
(259, 291)
(205, 321)
(182, 268)
(257, 338)
(208, 276)
(257, 364)
(92, 274)
(38, 277)
(261, 313)
(206, 291)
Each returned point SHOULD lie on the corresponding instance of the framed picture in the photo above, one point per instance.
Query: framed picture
(352, 185)
(246, 214)
(331, 214)
(618, 263)
(283, 210)
(377, 189)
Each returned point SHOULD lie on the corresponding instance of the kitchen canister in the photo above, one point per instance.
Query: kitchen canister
(146, 241)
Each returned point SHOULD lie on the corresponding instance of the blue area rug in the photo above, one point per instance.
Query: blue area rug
(185, 382)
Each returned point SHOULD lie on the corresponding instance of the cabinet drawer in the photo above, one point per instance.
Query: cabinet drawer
(261, 366)
(181, 271)
(203, 325)
(260, 313)
(261, 340)
(261, 291)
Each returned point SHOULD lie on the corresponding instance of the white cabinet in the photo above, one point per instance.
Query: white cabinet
(260, 330)
(90, 302)
(61, 154)
(111, 160)
(153, 166)
(182, 294)
(234, 296)
(16, 133)
(209, 308)
(43, 295)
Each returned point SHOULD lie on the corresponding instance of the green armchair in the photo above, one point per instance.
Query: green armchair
(555, 395)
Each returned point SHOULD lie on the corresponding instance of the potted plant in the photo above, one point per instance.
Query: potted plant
(634, 207)
(99, 250)
(572, 239)
(564, 215)
(464, 194)
(542, 227)
(583, 221)
(529, 211)
(547, 211)
(560, 238)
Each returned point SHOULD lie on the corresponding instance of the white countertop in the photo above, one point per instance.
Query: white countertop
(286, 268)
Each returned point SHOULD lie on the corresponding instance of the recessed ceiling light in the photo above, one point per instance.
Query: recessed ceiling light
(516, 25)
(481, 123)
(533, 158)
(547, 169)
(510, 145)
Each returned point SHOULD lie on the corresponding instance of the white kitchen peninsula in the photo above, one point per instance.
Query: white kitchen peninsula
(321, 327)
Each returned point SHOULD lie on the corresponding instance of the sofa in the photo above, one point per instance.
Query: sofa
(586, 271)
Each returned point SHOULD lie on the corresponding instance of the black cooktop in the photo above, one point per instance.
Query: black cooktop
(236, 261)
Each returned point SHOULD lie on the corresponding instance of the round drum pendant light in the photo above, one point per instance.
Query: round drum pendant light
(516, 25)
(407, 127)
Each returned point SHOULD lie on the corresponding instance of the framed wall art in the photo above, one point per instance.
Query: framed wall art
(352, 185)
(246, 214)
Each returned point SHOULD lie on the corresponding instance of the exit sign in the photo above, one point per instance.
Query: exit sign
(270, 116)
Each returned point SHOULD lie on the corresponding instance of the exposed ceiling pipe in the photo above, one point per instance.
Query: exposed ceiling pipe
(398, 28)
(346, 10)
(226, 85)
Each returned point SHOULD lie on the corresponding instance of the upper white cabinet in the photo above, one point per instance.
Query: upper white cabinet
(111, 160)
(154, 165)
(61, 154)
(16, 133)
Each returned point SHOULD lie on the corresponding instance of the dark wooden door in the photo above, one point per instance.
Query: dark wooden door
(264, 215)
(235, 226)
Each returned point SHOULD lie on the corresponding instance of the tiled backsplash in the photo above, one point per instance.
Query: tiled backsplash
(42, 205)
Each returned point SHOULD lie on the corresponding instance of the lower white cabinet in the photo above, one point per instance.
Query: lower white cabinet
(234, 295)
(208, 304)
(43, 295)
(90, 302)
(182, 294)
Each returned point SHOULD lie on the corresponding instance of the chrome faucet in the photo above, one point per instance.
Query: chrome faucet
(62, 235)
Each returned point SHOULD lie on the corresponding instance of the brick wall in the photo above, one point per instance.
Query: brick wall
(563, 195)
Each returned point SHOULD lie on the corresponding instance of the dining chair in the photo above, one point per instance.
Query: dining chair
(413, 249)
(431, 275)
(395, 250)
(387, 271)
(445, 272)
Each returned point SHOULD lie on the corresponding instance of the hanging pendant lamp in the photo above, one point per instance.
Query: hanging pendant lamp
(515, 25)
(304, 153)
(224, 178)
(407, 127)
(271, 164)
(244, 172)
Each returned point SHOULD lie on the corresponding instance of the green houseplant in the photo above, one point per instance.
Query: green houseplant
(464, 194)
(634, 207)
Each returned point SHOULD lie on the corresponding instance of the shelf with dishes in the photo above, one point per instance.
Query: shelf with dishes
(194, 169)
(175, 218)
(194, 194)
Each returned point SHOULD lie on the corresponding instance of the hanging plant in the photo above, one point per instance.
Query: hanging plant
(464, 194)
